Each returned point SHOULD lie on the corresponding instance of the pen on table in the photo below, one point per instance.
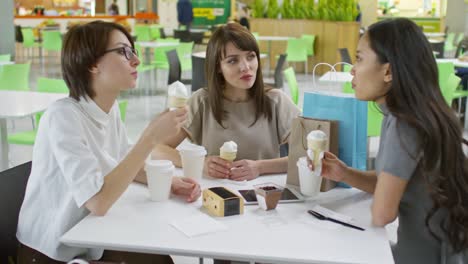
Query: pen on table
(322, 217)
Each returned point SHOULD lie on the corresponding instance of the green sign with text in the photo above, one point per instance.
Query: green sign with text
(211, 12)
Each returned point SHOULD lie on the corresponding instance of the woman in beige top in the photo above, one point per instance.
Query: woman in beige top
(236, 106)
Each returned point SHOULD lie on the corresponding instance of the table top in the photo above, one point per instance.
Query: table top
(15, 104)
(156, 44)
(273, 38)
(340, 77)
(287, 234)
(6, 62)
(434, 34)
(456, 62)
(202, 54)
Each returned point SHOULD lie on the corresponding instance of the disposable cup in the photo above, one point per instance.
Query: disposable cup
(309, 183)
(159, 175)
(193, 159)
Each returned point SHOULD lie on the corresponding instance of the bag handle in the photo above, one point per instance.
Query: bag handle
(332, 67)
(304, 132)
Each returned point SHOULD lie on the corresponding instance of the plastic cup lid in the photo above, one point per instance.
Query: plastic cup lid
(302, 161)
(161, 165)
(193, 150)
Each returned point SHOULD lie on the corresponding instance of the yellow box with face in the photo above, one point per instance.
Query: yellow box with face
(220, 201)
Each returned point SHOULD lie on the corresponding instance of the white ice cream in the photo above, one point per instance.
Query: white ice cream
(316, 144)
(229, 146)
(178, 89)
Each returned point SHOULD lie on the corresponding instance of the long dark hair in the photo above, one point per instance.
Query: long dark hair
(243, 40)
(415, 97)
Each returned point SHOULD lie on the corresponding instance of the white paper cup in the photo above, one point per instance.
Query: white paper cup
(193, 159)
(309, 183)
(159, 175)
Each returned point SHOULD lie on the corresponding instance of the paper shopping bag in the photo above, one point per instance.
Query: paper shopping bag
(352, 117)
(301, 126)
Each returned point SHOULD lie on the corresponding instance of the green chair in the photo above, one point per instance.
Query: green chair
(142, 67)
(449, 87)
(449, 47)
(5, 57)
(155, 32)
(123, 109)
(290, 77)
(184, 52)
(29, 41)
(445, 69)
(45, 85)
(160, 58)
(296, 50)
(15, 77)
(310, 41)
(142, 32)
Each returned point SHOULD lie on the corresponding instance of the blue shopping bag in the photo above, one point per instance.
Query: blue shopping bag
(351, 115)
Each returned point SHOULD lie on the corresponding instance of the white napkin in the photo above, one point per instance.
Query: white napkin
(327, 212)
(198, 225)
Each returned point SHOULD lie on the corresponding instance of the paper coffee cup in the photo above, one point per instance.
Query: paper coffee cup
(159, 176)
(309, 183)
(193, 159)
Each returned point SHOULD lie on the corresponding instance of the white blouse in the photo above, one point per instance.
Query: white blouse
(77, 144)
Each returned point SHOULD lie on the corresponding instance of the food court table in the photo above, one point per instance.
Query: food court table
(284, 235)
(16, 104)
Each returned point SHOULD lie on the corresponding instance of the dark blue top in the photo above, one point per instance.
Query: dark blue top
(184, 12)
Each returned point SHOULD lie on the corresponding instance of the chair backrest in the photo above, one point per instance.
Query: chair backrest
(461, 47)
(52, 40)
(310, 40)
(155, 33)
(48, 85)
(12, 191)
(292, 83)
(449, 87)
(28, 37)
(160, 58)
(445, 69)
(184, 51)
(183, 35)
(5, 57)
(448, 44)
(279, 71)
(18, 34)
(175, 70)
(344, 54)
(142, 32)
(438, 48)
(197, 37)
(296, 49)
(123, 109)
(162, 33)
(15, 77)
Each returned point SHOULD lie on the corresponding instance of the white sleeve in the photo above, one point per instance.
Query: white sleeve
(75, 159)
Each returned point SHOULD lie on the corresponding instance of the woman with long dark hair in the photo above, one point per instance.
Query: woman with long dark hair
(421, 169)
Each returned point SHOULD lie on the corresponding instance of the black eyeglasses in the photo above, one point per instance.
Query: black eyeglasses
(129, 52)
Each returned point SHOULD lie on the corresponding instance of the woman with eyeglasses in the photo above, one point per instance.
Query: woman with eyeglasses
(82, 161)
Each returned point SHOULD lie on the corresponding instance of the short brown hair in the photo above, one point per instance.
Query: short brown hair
(244, 40)
(83, 45)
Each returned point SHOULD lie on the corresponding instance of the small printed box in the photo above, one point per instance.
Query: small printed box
(268, 195)
(220, 201)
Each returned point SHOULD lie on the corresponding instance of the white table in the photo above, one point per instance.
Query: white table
(456, 62)
(202, 54)
(6, 63)
(434, 34)
(16, 104)
(340, 77)
(285, 235)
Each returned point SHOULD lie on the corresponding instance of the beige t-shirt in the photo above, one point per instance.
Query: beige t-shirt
(260, 141)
